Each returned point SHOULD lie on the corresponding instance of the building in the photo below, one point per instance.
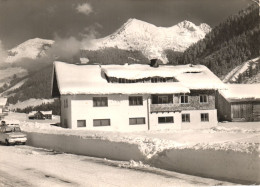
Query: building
(135, 97)
(3, 107)
(239, 102)
(40, 115)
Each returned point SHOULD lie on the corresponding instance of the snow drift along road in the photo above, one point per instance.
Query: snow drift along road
(231, 165)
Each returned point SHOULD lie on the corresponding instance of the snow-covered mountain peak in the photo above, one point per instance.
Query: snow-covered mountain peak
(187, 25)
(152, 40)
(205, 27)
(32, 49)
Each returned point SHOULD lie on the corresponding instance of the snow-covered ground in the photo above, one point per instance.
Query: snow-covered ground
(229, 150)
(30, 102)
(28, 166)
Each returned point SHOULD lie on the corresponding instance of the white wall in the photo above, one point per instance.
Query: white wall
(118, 111)
(195, 119)
(157, 126)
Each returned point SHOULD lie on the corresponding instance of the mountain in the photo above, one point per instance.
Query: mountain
(20, 63)
(228, 45)
(248, 72)
(30, 49)
(137, 35)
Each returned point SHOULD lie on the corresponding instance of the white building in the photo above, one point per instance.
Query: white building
(135, 97)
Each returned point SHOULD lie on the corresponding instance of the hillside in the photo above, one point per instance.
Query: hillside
(247, 72)
(137, 35)
(228, 45)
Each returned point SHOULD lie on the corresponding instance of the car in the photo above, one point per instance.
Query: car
(12, 134)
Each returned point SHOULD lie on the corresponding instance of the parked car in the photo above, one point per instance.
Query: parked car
(12, 134)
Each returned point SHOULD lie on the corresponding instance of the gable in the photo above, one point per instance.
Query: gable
(55, 92)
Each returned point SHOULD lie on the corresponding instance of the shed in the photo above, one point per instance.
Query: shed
(40, 115)
(239, 102)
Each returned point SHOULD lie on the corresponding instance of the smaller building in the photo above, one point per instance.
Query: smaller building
(239, 102)
(40, 115)
(3, 107)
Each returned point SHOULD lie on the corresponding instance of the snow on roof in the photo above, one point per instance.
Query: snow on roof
(46, 112)
(32, 113)
(90, 79)
(204, 79)
(139, 71)
(191, 76)
(242, 91)
(3, 101)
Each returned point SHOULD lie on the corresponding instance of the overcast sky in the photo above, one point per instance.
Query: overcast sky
(21, 20)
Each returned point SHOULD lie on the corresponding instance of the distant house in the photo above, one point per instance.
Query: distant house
(135, 97)
(3, 107)
(239, 102)
(40, 115)
(47, 114)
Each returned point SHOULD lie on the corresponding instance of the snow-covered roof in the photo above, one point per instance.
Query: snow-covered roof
(241, 91)
(32, 113)
(46, 112)
(3, 101)
(90, 79)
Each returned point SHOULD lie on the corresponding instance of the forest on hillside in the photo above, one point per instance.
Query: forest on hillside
(38, 85)
(229, 44)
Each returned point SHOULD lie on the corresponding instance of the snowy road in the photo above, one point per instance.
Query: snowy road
(29, 166)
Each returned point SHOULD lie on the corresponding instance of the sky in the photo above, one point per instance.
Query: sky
(21, 20)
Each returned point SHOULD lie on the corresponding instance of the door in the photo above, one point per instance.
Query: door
(256, 112)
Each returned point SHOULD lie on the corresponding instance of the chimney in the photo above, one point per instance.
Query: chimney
(154, 63)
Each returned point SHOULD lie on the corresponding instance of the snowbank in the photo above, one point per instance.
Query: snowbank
(236, 162)
(227, 165)
(225, 162)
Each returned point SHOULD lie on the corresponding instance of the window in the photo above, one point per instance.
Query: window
(162, 99)
(168, 119)
(185, 117)
(101, 122)
(204, 117)
(99, 101)
(65, 123)
(203, 98)
(184, 99)
(136, 121)
(135, 100)
(66, 103)
(81, 123)
(154, 79)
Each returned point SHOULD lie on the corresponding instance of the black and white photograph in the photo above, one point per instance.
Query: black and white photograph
(129, 93)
